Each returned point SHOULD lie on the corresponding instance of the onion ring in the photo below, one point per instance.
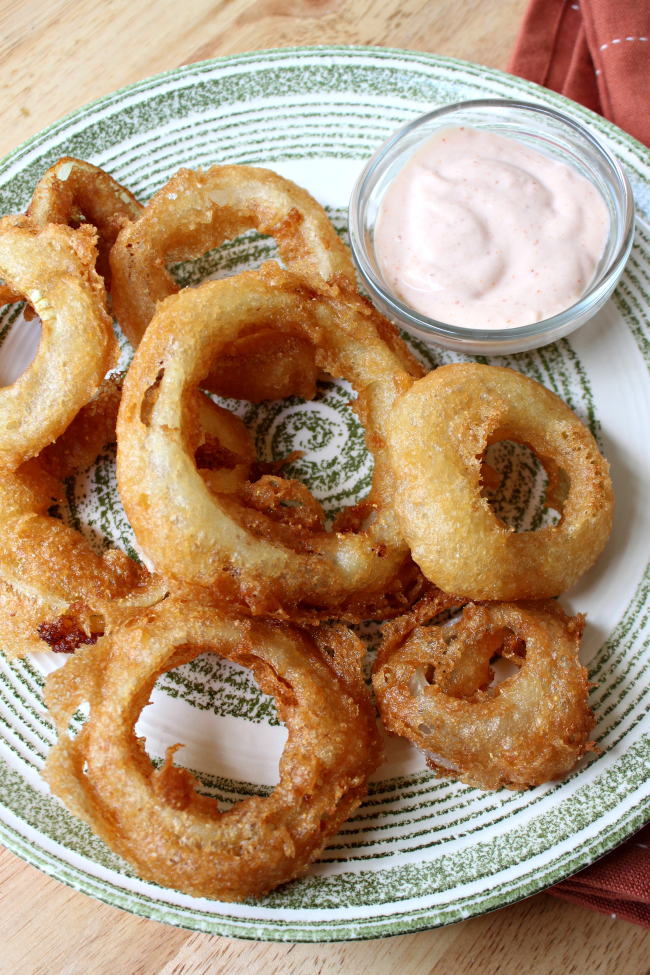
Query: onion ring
(90, 431)
(49, 572)
(154, 819)
(265, 365)
(55, 592)
(26, 621)
(53, 267)
(432, 688)
(197, 211)
(204, 542)
(437, 434)
(75, 192)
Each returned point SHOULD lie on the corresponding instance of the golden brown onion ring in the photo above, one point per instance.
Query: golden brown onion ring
(75, 192)
(49, 571)
(197, 211)
(437, 435)
(55, 592)
(154, 819)
(69, 597)
(53, 267)
(206, 540)
(265, 365)
(433, 688)
(92, 428)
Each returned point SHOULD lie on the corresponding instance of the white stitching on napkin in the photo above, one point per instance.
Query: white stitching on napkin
(617, 40)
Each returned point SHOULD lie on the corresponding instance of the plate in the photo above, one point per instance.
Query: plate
(421, 851)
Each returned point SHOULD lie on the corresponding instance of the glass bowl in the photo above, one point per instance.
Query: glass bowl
(549, 132)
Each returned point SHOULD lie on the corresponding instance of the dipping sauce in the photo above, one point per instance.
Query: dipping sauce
(480, 230)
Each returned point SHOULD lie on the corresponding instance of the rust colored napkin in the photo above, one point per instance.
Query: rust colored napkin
(619, 884)
(596, 52)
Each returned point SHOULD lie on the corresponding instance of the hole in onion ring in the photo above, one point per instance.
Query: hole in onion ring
(218, 693)
(515, 484)
(19, 341)
(149, 399)
(508, 659)
(503, 669)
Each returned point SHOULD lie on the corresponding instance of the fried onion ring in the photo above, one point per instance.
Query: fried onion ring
(55, 592)
(437, 435)
(197, 211)
(75, 192)
(154, 819)
(432, 687)
(92, 428)
(207, 541)
(48, 571)
(53, 267)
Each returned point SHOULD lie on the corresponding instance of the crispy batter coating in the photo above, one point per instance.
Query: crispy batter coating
(55, 592)
(54, 268)
(48, 570)
(437, 435)
(75, 192)
(154, 819)
(196, 211)
(194, 529)
(64, 635)
(90, 431)
(432, 687)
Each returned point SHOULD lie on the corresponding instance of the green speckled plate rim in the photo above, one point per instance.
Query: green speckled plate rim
(618, 775)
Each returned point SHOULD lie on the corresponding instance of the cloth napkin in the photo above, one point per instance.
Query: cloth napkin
(597, 52)
(619, 884)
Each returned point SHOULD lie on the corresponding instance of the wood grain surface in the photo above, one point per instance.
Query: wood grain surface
(55, 57)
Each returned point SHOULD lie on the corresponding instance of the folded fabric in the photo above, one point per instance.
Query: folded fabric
(596, 52)
(619, 884)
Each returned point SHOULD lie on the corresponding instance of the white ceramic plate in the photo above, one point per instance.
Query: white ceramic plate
(421, 851)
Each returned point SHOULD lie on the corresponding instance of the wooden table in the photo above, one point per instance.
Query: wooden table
(56, 56)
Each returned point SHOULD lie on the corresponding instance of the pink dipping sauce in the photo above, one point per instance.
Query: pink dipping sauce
(479, 230)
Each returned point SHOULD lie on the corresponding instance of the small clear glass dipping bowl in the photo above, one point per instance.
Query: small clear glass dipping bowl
(549, 132)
